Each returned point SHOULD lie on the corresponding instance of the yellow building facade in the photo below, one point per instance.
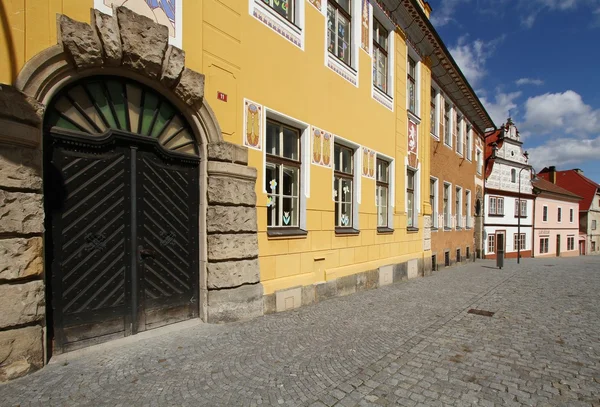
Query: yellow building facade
(252, 61)
(328, 100)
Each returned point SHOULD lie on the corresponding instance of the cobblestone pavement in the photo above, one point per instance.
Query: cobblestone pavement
(410, 344)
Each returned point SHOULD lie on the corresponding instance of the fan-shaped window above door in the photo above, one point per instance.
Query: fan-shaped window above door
(96, 105)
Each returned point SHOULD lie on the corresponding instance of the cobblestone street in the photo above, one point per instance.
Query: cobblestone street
(408, 344)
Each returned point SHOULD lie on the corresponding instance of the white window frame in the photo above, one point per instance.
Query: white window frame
(491, 239)
(571, 215)
(544, 244)
(386, 99)
(304, 128)
(458, 205)
(391, 187)
(356, 193)
(559, 215)
(436, 197)
(520, 204)
(450, 122)
(436, 122)
(522, 238)
(469, 140)
(416, 194)
(479, 158)
(293, 32)
(496, 200)
(545, 214)
(448, 217)
(416, 115)
(459, 135)
(572, 239)
(349, 73)
(469, 208)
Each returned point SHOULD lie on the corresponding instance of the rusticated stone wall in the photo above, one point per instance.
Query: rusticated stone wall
(232, 272)
(22, 299)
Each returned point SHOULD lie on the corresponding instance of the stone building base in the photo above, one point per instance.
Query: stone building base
(296, 297)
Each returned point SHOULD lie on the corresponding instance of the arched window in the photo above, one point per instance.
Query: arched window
(98, 104)
(513, 175)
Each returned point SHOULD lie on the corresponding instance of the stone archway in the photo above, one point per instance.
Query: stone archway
(133, 46)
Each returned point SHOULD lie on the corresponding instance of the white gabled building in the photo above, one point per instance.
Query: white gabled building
(509, 199)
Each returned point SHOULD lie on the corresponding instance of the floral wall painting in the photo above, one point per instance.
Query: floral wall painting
(412, 137)
(321, 147)
(316, 3)
(368, 163)
(165, 12)
(364, 26)
(413, 144)
(252, 124)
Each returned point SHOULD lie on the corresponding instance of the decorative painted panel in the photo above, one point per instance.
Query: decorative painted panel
(318, 4)
(368, 163)
(165, 12)
(253, 121)
(322, 147)
(364, 26)
(413, 144)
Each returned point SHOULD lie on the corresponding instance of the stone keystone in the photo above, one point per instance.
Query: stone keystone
(190, 88)
(172, 66)
(144, 42)
(80, 41)
(108, 31)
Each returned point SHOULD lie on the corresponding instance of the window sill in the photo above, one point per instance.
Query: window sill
(412, 229)
(495, 216)
(522, 217)
(383, 98)
(434, 229)
(384, 230)
(287, 232)
(435, 136)
(447, 229)
(459, 228)
(414, 116)
(341, 68)
(346, 231)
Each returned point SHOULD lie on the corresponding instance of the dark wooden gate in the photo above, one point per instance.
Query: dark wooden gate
(122, 236)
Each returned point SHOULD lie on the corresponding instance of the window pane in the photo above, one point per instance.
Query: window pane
(410, 200)
(345, 5)
(382, 206)
(290, 143)
(345, 216)
(273, 203)
(290, 181)
(346, 190)
(331, 12)
(273, 138)
(411, 95)
(382, 171)
(343, 30)
(411, 180)
(343, 159)
(283, 7)
(272, 178)
(289, 215)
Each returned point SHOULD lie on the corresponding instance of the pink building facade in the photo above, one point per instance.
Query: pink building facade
(556, 221)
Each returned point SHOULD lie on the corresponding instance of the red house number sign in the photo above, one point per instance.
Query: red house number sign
(222, 96)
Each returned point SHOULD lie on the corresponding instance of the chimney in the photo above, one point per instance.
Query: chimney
(578, 171)
(552, 171)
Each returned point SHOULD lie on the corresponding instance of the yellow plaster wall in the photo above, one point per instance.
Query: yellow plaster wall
(243, 58)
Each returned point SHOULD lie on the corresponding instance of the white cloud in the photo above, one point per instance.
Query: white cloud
(502, 105)
(564, 152)
(529, 81)
(471, 57)
(444, 14)
(562, 113)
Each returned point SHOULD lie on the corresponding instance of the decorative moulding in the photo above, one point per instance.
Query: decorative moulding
(253, 123)
(280, 25)
(368, 163)
(322, 147)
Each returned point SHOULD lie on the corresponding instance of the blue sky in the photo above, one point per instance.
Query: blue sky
(538, 59)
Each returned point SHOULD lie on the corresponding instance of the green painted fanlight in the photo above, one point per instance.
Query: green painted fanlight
(98, 104)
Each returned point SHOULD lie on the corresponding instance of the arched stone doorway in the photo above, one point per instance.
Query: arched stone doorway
(121, 191)
(135, 50)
